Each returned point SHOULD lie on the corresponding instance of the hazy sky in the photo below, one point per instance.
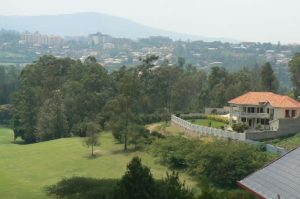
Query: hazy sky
(247, 20)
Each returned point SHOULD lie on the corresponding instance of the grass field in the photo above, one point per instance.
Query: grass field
(205, 122)
(26, 169)
(288, 143)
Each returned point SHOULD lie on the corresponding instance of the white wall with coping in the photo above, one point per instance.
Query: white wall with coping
(245, 137)
(203, 130)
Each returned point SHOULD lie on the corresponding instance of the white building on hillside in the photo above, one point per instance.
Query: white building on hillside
(266, 111)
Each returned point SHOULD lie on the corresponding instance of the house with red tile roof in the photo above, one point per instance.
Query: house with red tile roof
(265, 111)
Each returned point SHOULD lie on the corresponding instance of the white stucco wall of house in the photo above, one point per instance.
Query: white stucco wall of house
(279, 113)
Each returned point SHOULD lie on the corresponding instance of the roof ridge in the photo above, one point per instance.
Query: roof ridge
(276, 100)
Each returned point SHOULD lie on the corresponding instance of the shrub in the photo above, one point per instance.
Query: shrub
(81, 187)
(193, 117)
(171, 187)
(226, 162)
(240, 128)
(157, 116)
(218, 118)
(172, 151)
(222, 162)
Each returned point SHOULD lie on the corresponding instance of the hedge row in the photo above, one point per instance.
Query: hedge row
(216, 118)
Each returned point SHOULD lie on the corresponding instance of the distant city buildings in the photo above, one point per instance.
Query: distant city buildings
(38, 39)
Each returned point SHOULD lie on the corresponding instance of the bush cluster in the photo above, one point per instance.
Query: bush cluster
(222, 162)
(240, 128)
(218, 118)
(193, 117)
(153, 117)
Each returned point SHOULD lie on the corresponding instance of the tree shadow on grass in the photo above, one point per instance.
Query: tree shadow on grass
(96, 155)
(122, 151)
(18, 142)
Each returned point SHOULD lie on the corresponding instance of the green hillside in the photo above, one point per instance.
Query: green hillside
(26, 169)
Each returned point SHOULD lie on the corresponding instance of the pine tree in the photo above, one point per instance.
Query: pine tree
(137, 182)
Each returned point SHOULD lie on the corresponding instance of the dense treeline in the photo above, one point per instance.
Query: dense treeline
(8, 82)
(57, 97)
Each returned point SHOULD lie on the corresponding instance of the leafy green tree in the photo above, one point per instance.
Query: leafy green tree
(269, 82)
(171, 188)
(2, 84)
(217, 97)
(294, 66)
(180, 62)
(9, 83)
(84, 89)
(185, 91)
(138, 134)
(25, 115)
(122, 108)
(207, 191)
(92, 136)
(217, 76)
(51, 121)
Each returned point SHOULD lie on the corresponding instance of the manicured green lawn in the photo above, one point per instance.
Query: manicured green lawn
(26, 169)
(205, 122)
(288, 143)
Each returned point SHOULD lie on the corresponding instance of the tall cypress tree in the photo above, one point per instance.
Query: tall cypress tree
(294, 66)
(269, 81)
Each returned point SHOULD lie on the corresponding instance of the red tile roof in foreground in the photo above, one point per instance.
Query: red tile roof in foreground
(280, 177)
(258, 98)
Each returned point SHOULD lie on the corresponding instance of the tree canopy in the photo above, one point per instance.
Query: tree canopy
(58, 96)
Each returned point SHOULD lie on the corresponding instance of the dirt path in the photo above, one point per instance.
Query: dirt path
(153, 127)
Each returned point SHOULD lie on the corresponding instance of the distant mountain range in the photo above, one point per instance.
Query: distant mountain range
(82, 24)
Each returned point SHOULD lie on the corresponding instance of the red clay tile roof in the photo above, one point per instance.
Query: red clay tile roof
(257, 98)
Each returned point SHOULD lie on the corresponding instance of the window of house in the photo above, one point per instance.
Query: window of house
(243, 119)
(293, 113)
(261, 110)
(268, 110)
(257, 110)
(287, 113)
(251, 109)
(262, 121)
(258, 121)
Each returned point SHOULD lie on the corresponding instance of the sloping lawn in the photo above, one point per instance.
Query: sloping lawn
(26, 169)
(288, 143)
(206, 122)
